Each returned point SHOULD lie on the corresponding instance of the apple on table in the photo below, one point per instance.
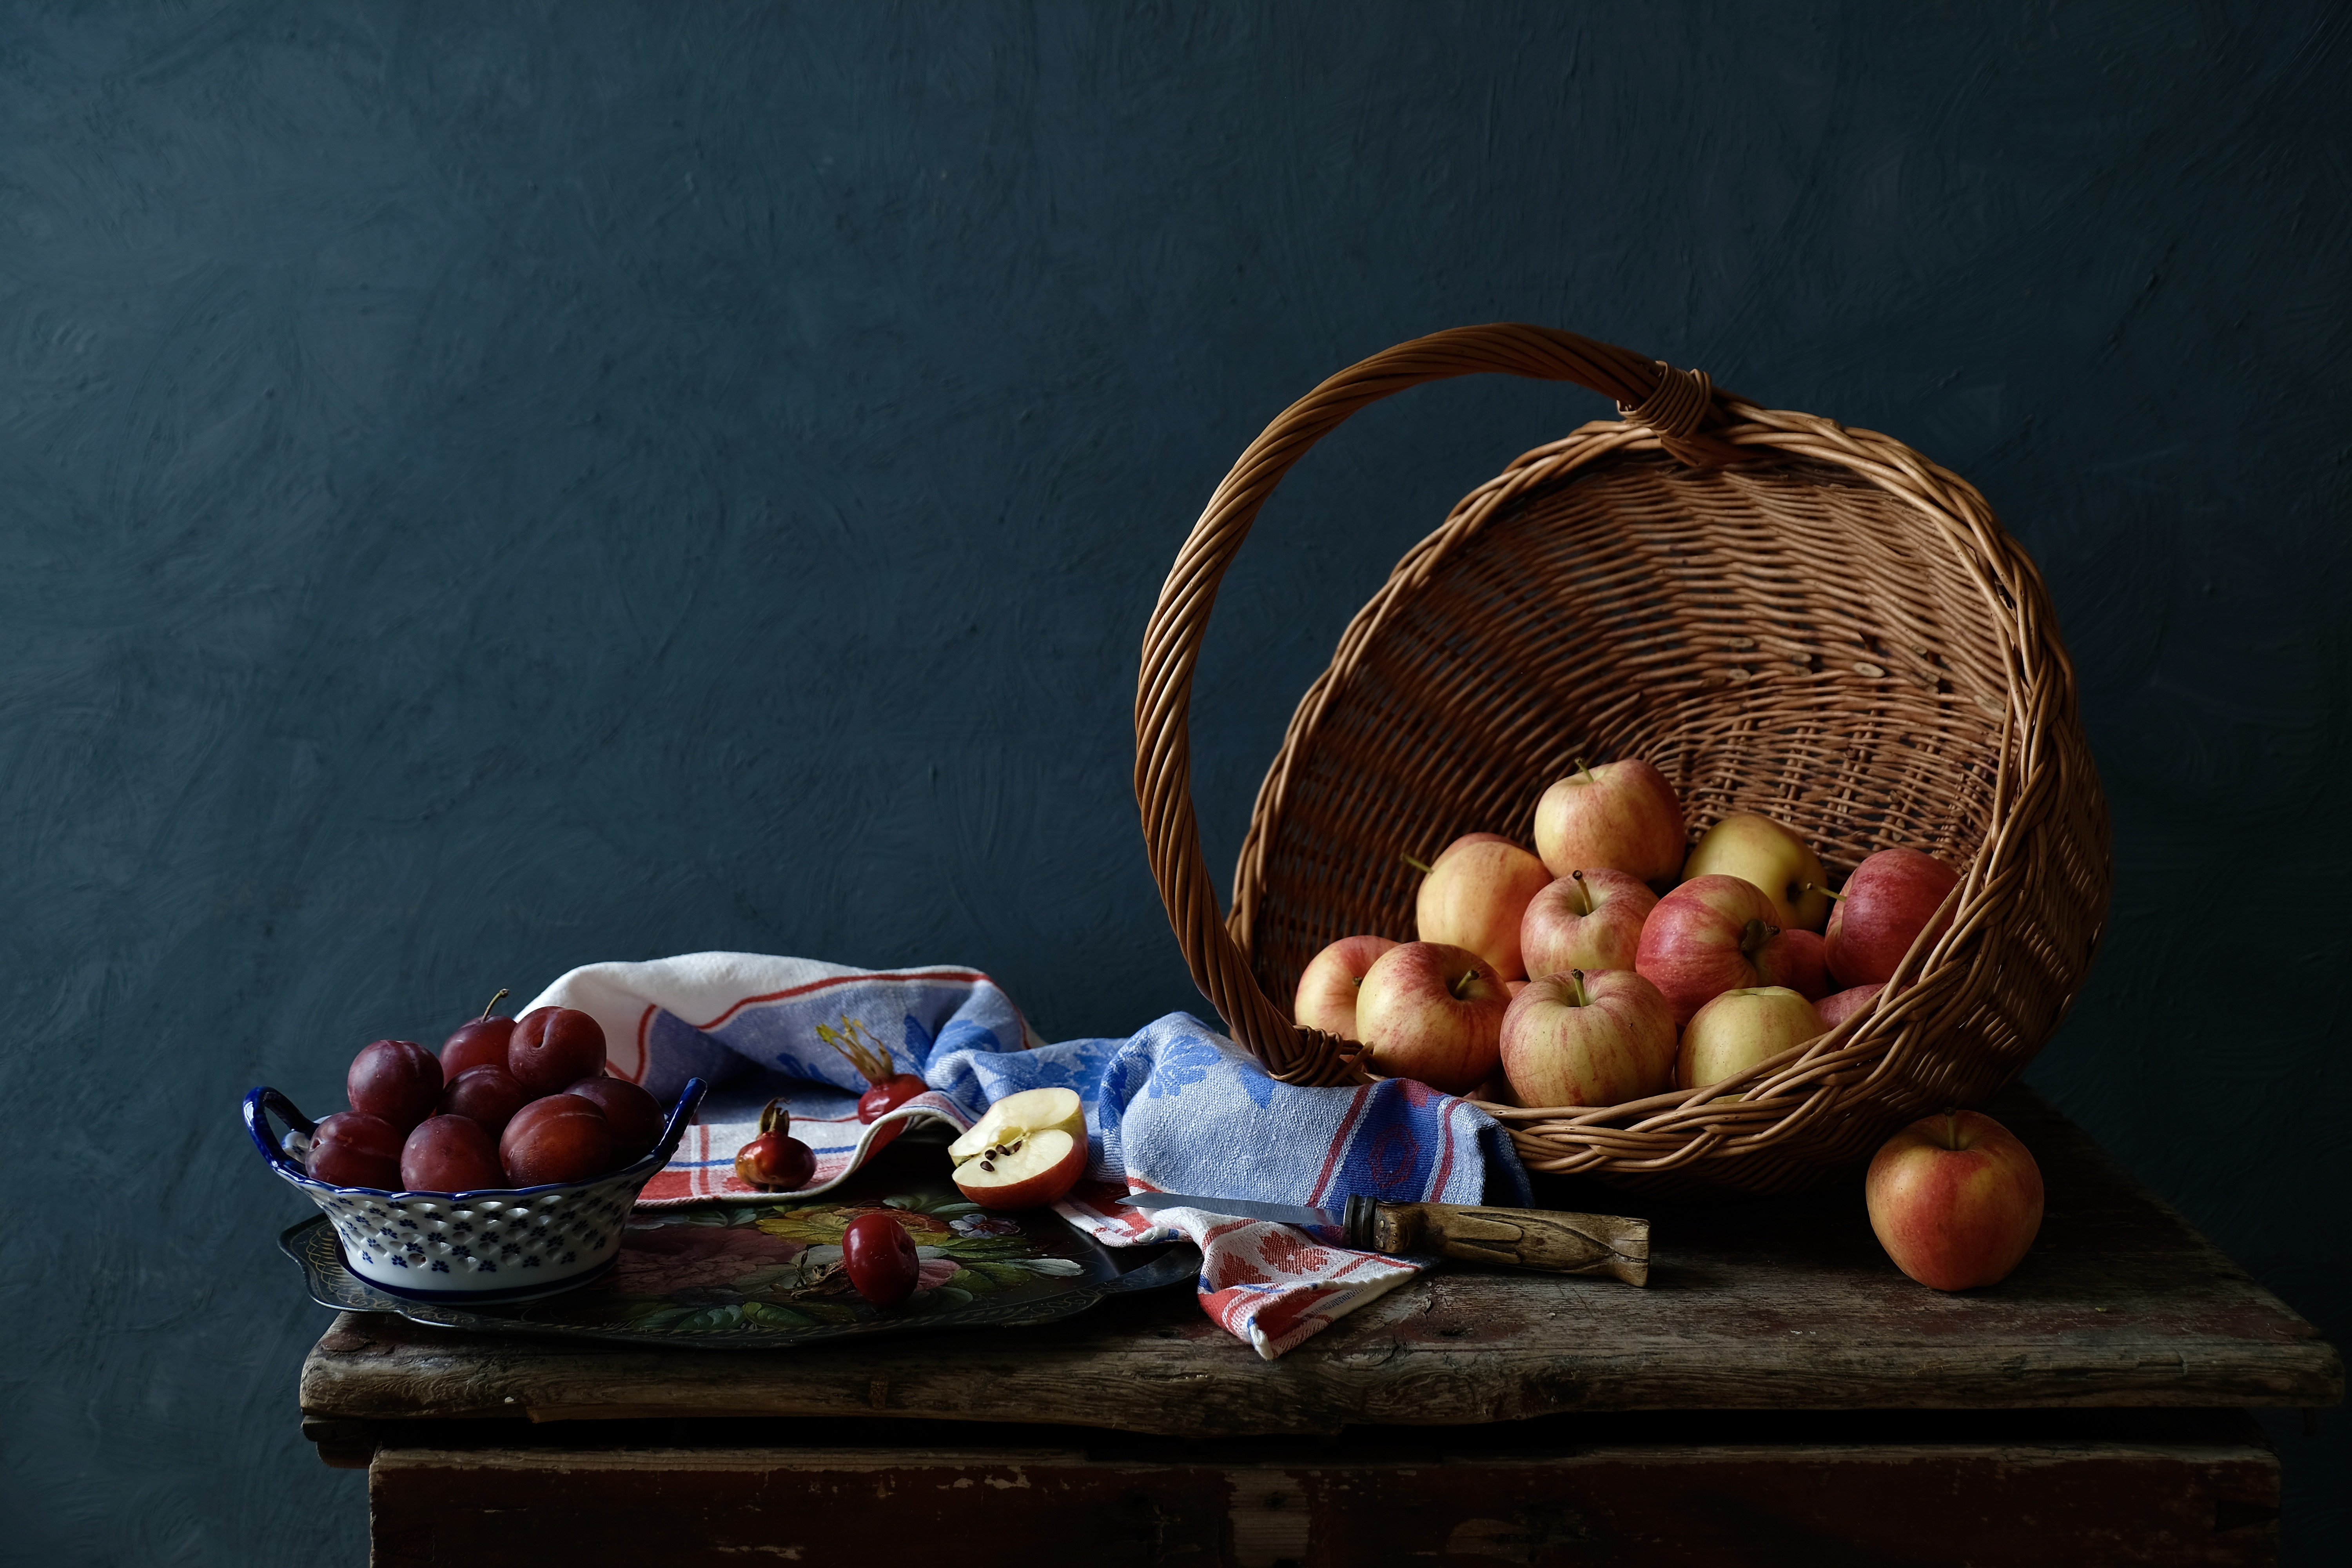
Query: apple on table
(1431, 1011)
(1760, 851)
(1026, 1150)
(1955, 1199)
(1587, 1037)
(1621, 814)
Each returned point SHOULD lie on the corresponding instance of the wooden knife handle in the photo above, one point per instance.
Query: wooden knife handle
(1512, 1238)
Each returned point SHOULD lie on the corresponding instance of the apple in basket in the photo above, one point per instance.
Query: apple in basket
(1597, 1037)
(1028, 1149)
(1474, 895)
(1434, 1012)
(1758, 849)
(1326, 998)
(1709, 936)
(1805, 967)
(1740, 1029)
(1585, 920)
(1887, 902)
(1955, 1200)
(1621, 814)
(1839, 1006)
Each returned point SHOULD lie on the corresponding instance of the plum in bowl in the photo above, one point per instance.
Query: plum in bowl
(492, 1244)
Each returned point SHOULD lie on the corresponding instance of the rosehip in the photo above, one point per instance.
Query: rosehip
(878, 1256)
(887, 1095)
(775, 1159)
(399, 1081)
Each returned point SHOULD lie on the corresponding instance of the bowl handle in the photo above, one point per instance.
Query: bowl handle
(690, 1100)
(258, 1105)
(1679, 404)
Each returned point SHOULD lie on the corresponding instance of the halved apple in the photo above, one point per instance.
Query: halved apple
(1029, 1149)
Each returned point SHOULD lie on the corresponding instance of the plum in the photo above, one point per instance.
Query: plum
(635, 1116)
(560, 1138)
(352, 1149)
(399, 1081)
(489, 1094)
(554, 1047)
(450, 1154)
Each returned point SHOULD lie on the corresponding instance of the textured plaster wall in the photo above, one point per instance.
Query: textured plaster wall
(484, 488)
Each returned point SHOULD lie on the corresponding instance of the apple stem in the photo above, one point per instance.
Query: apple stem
(1414, 864)
(1456, 986)
(1817, 888)
(1576, 984)
(492, 1003)
(1585, 770)
(1583, 892)
(1951, 1127)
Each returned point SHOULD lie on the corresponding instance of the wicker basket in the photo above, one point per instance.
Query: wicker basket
(1783, 614)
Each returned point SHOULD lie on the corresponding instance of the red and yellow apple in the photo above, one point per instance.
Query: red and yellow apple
(1887, 902)
(1760, 851)
(1709, 936)
(1807, 970)
(1955, 1200)
(1739, 1028)
(1474, 895)
(1026, 1150)
(1431, 1011)
(1622, 816)
(1585, 920)
(1839, 1006)
(1587, 1037)
(1326, 998)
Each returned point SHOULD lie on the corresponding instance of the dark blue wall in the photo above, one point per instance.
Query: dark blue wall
(484, 488)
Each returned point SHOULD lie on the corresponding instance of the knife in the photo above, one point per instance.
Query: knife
(1514, 1239)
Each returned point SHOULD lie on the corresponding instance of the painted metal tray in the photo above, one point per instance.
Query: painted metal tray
(739, 1276)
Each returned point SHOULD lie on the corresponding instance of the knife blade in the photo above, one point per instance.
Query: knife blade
(1545, 1239)
(1240, 1208)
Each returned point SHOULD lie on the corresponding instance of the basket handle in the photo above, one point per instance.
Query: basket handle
(1676, 404)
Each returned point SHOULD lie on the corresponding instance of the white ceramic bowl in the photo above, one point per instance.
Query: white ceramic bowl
(470, 1247)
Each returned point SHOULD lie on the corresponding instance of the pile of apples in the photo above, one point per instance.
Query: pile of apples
(508, 1102)
(1567, 973)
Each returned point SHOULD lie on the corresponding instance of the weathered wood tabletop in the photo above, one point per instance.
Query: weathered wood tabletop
(1784, 1304)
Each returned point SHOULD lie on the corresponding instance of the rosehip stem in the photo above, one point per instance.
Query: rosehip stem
(493, 1002)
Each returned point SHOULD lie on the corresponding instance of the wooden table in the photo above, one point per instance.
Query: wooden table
(1778, 1393)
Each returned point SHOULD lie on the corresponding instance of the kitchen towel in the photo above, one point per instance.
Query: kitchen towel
(1173, 1108)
